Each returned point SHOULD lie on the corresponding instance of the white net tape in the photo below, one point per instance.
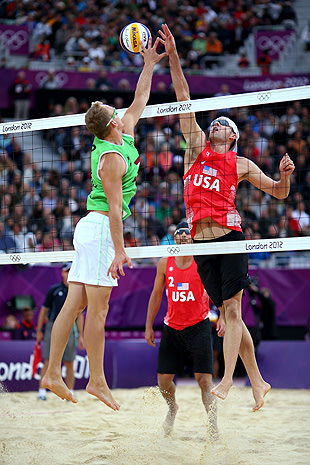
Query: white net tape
(164, 109)
(231, 247)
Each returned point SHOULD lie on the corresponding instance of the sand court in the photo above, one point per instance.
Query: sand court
(57, 432)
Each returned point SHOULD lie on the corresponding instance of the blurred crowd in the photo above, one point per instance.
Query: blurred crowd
(86, 33)
(39, 207)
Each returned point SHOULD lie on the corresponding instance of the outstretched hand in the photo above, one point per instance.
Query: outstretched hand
(117, 265)
(167, 39)
(286, 166)
(150, 54)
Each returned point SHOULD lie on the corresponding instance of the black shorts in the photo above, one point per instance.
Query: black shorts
(223, 276)
(189, 346)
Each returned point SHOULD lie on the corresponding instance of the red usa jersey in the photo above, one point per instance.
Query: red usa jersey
(186, 305)
(210, 187)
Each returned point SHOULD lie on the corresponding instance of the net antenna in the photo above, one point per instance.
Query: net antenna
(175, 108)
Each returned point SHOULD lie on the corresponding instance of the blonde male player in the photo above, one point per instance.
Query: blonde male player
(212, 174)
(187, 329)
(98, 237)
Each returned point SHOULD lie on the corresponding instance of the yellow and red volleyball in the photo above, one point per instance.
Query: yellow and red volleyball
(132, 36)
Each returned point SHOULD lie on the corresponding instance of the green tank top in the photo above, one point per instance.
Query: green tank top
(97, 199)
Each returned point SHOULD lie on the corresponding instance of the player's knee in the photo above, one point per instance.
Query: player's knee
(232, 312)
(72, 309)
(98, 312)
(164, 381)
(204, 381)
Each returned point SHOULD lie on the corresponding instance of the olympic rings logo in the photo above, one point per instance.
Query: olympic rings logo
(275, 43)
(60, 78)
(264, 96)
(173, 250)
(14, 40)
(15, 258)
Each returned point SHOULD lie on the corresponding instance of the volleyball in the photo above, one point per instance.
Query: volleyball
(132, 36)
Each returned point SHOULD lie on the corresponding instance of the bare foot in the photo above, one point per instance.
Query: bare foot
(169, 420)
(58, 387)
(221, 390)
(103, 393)
(259, 393)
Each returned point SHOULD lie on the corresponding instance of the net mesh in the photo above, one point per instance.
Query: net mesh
(45, 180)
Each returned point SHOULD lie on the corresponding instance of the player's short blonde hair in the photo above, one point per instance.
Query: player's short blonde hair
(96, 119)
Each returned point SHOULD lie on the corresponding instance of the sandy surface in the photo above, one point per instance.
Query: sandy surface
(57, 432)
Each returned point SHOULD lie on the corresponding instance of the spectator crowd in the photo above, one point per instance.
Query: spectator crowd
(86, 33)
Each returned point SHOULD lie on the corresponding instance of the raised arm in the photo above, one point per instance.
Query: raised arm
(247, 170)
(143, 89)
(194, 136)
(155, 300)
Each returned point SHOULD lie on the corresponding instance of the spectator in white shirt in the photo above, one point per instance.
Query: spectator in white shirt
(301, 216)
(290, 119)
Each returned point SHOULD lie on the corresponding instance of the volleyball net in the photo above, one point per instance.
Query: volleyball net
(45, 179)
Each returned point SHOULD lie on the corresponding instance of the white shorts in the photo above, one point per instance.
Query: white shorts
(94, 251)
